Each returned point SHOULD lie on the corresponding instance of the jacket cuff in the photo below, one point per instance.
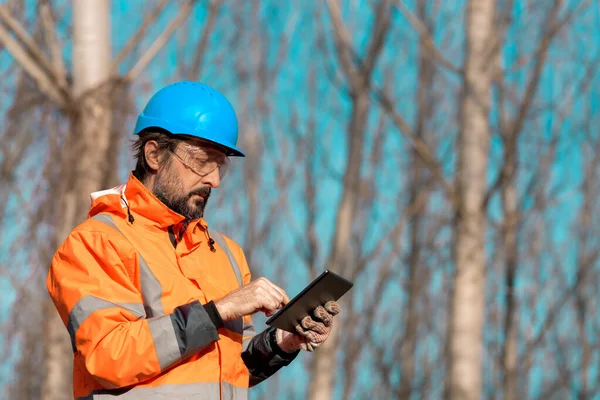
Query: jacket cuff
(213, 314)
(263, 357)
(278, 350)
(193, 328)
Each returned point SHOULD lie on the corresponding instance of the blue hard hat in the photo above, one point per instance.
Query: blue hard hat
(193, 109)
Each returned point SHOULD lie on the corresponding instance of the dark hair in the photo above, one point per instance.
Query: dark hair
(165, 140)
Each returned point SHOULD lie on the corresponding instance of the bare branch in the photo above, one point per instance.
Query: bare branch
(147, 22)
(49, 27)
(530, 92)
(157, 45)
(419, 145)
(343, 43)
(45, 84)
(209, 26)
(29, 45)
(381, 28)
(551, 315)
(284, 41)
(551, 31)
(430, 47)
(534, 79)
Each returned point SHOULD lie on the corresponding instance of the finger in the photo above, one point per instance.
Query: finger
(269, 299)
(319, 338)
(269, 313)
(315, 337)
(303, 332)
(305, 335)
(322, 315)
(332, 307)
(310, 324)
(300, 329)
(308, 346)
(305, 346)
(265, 289)
(307, 323)
(284, 297)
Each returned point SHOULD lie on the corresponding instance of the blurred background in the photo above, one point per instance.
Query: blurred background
(443, 155)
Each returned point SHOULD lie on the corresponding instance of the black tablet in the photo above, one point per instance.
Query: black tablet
(326, 287)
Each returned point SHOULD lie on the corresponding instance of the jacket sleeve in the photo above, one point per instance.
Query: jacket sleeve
(263, 357)
(91, 282)
(260, 353)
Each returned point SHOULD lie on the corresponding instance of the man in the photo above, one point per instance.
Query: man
(157, 304)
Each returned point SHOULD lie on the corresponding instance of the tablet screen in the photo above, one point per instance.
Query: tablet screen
(326, 287)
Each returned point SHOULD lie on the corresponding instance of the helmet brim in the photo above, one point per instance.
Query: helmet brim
(229, 150)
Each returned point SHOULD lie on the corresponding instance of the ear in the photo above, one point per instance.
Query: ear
(152, 155)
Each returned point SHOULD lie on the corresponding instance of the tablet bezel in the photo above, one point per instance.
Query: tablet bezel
(327, 286)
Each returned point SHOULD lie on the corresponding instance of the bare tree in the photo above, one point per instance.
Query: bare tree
(510, 130)
(82, 169)
(587, 259)
(418, 178)
(465, 336)
(86, 101)
(358, 78)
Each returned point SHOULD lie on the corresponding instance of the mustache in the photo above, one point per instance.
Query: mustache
(203, 191)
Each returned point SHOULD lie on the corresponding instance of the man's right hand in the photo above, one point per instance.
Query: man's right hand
(259, 295)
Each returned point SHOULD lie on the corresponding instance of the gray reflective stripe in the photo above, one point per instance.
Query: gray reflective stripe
(165, 340)
(107, 219)
(249, 329)
(150, 286)
(88, 304)
(236, 325)
(249, 332)
(245, 344)
(227, 393)
(151, 291)
(240, 393)
(231, 392)
(222, 244)
(188, 391)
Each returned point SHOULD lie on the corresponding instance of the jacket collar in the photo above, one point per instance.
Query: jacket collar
(152, 211)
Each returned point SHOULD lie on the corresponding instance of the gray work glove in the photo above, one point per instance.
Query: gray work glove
(311, 331)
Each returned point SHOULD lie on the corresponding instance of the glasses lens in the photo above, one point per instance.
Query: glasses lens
(204, 162)
(224, 167)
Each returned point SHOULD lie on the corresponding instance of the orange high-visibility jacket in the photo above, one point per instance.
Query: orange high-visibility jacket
(133, 284)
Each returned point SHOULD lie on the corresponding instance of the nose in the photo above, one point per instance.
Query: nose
(213, 179)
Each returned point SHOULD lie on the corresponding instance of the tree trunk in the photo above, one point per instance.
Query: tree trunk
(509, 200)
(358, 80)
(325, 366)
(82, 163)
(585, 259)
(424, 101)
(465, 336)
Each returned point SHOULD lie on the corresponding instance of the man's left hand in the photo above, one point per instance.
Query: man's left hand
(311, 332)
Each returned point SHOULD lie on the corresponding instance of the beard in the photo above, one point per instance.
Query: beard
(169, 190)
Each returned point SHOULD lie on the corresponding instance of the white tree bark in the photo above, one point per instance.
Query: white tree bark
(465, 347)
(81, 163)
(86, 161)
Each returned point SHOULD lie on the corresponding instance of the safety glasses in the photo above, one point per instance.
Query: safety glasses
(202, 161)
